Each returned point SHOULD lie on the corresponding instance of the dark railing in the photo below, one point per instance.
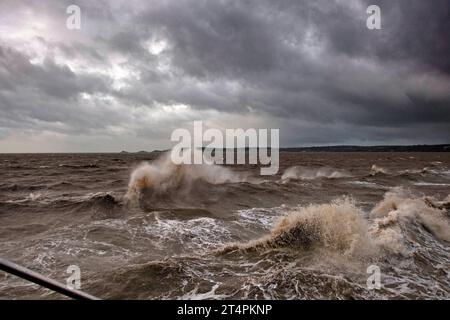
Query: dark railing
(43, 281)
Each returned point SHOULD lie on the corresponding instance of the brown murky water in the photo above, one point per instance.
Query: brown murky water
(152, 231)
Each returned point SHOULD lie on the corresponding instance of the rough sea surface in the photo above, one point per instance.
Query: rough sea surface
(141, 228)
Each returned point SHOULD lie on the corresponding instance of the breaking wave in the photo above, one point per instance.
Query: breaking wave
(306, 173)
(162, 178)
(342, 227)
(374, 170)
(401, 208)
(378, 170)
(338, 226)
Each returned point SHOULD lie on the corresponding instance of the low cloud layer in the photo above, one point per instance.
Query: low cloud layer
(136, 70)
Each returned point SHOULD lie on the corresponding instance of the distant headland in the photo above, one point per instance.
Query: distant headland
(348, 148)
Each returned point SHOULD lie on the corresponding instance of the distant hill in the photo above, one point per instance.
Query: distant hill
(410, 148)
(143, 152)
(346, 148)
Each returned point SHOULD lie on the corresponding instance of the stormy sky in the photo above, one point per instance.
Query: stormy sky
(137, 70)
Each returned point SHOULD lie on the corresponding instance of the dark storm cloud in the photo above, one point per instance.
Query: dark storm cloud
(251, 44)
(420, 31)
(51, 79)
(310, 67)
(44, 92)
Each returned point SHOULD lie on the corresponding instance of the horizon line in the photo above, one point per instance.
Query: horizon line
(442, 145)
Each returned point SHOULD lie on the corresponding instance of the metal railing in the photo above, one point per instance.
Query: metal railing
(43, 281)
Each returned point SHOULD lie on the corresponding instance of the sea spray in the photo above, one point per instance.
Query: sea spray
(163, 177)
(338, 226)
(342, 227)
(399, 207)
(374, 170)
(307, 173)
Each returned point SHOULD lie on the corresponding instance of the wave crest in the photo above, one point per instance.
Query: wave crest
(374, 170)
(399, 207)
(338, 226)
(306, 173)
(342, 227)
(162, 177)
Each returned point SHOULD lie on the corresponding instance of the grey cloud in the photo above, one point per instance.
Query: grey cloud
(311, 67)
(52, 79)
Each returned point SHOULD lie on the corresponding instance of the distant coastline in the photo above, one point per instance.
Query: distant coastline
(399, 148)
(352, 148)
(340, 148)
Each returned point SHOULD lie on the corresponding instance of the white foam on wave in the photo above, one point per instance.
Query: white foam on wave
(309, 173)
(374, 170)
(163, 176)
(367, 184)
(399, 207)
(259, 217)
(431, 184)
(201, 233)
(194, 294)
(340, 226)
